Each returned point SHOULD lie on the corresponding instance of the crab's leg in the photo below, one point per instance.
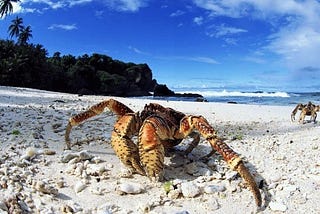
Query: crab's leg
(194, 143)
(294, 112)
(189, 123)
(302, 116)
(127, 151)
(116, 107)
(314, 113)
(153, 132)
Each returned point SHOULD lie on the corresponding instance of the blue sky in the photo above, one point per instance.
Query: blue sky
(246, 44)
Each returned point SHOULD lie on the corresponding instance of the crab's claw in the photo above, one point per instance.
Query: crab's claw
(189, 123)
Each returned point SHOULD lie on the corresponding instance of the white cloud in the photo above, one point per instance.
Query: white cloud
(177, 13)
(126, 5)
(26, 6)
(202, 59)
(138, 51)
(222, 30)
(198, 20)
(99, 13)
(78, 2)
(63, 27)
(296, 33)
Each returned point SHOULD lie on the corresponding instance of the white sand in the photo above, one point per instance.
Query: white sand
(283, 154)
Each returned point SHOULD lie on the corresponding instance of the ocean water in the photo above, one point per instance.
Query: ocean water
(250, 97)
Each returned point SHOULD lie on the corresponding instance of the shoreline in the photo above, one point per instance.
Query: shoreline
(281, 153)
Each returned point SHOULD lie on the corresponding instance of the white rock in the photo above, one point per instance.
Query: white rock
(79, 169)
(214, 188)
(85, 155)
(275, 178)
(31, 151)
(190, 190)
(174, 194)
(275, 206)
(107, 209)
(290, 188)
(231, 175)
(67, 156)
(3, 207)
(131, 188)
(79, 186)
(192, 168)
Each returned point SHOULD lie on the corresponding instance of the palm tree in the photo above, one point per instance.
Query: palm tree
(24, 35)
(6, 7)
(16, 27)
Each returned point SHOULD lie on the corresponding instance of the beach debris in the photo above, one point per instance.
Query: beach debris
(108, 208)
(79, 186)
(32, 152)
(231, 175)
(3, 207)
(66, 209)
(210, 189)
(44, 187)
(12, 205)
(68, 155)
(276, 206)
(130, 188)
(190, 190)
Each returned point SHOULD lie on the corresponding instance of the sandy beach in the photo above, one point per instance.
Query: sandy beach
(37, 174)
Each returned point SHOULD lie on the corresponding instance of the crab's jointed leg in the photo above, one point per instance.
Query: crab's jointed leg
(189, 123)
(314, 113)
(302, 116)
(126, 150)
(294, 112)
(153, 132)
(116, 107)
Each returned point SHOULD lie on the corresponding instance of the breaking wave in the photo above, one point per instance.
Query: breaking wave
(225, 93)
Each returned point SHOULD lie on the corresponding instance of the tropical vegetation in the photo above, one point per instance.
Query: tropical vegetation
(27, 65)
(6, 7)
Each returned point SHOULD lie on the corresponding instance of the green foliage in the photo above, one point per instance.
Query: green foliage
(15, 132)
(167, 186)
(6, 7)
(238, 136)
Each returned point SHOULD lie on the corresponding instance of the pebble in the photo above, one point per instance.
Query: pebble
(275, 206)
(107, 209)
(231, 175)
(131, 188)
(79, 186)
(214, 188)
(190, 190)
(44, 187)
(3, 207)
(275, 178)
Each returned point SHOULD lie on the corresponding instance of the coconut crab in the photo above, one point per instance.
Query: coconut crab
(308, 109)
(159, 128)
